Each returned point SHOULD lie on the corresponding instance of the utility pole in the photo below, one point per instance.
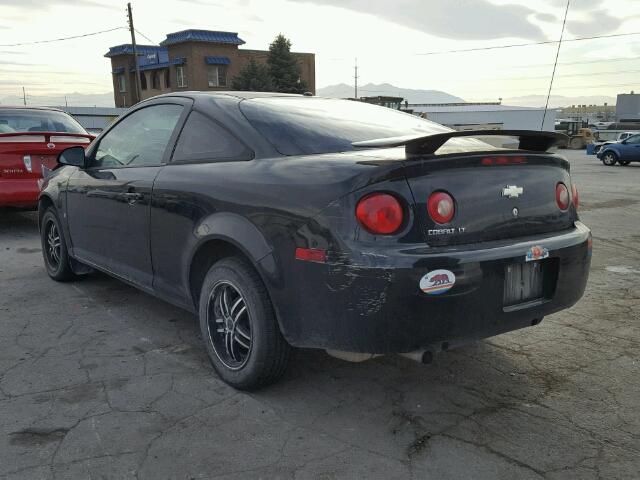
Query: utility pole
(355, 77)
(135, 52)
(24, 97)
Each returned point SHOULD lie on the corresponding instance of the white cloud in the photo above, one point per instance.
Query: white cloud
(459, 19)
(384, 35)
(597, 22)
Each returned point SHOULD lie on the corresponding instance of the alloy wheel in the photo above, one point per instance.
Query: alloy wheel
(609, 159)
(52, 247)
(229, 325)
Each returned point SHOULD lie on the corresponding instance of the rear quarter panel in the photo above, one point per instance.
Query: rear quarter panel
(257, 205)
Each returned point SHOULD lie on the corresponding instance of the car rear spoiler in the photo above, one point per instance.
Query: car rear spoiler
(531, 140)
(58, 136)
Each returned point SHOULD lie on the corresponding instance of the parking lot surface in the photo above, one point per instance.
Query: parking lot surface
(99, 380)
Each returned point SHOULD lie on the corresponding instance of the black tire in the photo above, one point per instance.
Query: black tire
(239, 326)
(609, 158)
(54, 248)
(624, 163)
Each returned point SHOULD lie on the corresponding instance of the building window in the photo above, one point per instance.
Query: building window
(122, 86)
(181, 77)
(143, 81)
(155, 81)
(167, 79)
(217, 75)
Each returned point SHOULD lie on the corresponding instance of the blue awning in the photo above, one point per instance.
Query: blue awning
(178, 61)
(118, 70)
(153, 66)
(217, 60)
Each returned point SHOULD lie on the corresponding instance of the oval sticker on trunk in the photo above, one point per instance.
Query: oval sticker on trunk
(437, 281)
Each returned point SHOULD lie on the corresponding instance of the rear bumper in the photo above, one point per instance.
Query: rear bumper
(19, 193)
(372, 302)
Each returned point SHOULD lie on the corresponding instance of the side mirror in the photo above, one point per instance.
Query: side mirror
(73, 156)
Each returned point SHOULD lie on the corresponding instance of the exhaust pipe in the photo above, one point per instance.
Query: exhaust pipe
(424, 356)
(420, 356)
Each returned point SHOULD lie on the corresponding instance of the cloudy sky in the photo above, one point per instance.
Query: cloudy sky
(394, 42)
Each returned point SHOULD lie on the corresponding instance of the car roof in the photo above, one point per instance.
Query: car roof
(21, 107)
(227, 93)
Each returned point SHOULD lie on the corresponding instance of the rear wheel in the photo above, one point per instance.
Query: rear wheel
(239, 326)
(54, 248)
(609, 159)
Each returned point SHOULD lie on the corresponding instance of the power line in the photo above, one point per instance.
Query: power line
(514, 45)
(555, 64)
(618, 72)
(539, 77)
(62, 38)
(585, 62)
(529, 89)
(143, 35)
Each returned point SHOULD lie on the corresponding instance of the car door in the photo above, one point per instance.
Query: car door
(186, 191)
(630, 149)
(108, 203)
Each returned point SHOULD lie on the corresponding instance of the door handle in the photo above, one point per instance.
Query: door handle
(133, 197)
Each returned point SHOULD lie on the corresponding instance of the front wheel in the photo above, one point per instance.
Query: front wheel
(54, 248)
(239, 326)
(609, 159)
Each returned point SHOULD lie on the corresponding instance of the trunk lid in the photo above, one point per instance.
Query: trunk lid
(488, 202)
(23, 155)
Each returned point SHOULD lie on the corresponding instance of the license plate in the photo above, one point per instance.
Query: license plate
(523, 282)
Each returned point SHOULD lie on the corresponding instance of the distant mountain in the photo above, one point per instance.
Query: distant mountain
(342, 90)
(557, 101)
(74, 99)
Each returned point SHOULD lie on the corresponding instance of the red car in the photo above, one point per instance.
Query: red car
(30, 139)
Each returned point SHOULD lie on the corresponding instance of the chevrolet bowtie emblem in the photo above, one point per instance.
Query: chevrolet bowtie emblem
(511, 191)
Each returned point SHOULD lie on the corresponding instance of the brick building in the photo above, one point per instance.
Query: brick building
(188, 60)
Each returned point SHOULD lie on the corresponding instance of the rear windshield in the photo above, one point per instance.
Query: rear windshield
(12, 121)
(303, 125)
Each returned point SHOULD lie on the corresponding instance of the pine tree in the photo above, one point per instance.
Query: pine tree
(254, 77)
(284, 68)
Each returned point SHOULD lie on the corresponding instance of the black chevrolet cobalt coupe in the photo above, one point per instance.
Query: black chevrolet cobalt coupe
(286, 220)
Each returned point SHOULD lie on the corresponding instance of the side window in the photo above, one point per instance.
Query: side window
(139, 139)
(633, 139)
(204, 139)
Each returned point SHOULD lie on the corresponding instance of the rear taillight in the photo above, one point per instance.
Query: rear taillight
(487, 161)
(575, 197)
(380, 213)
(562, 196)
(441, 207)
